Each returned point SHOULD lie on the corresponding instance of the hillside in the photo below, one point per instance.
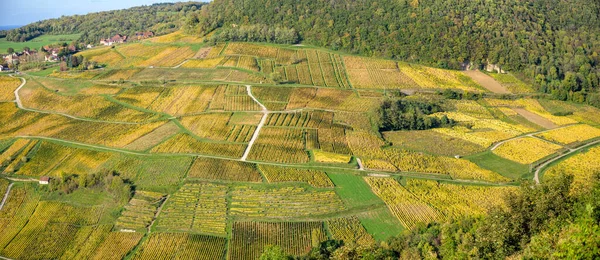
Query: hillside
(554, 44)
(180, 148)
(159, 18)
(307, 130)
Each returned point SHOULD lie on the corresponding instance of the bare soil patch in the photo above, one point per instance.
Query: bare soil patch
(534, 118)
(486, 81)
(202, 53)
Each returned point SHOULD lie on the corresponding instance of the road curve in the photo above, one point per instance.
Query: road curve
(17, 98)
(263, 119)
(536, 176)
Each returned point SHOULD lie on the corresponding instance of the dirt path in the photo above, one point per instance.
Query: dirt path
(180, 64)
(17, 98)
(6, 196)
(360, 165)
(263, 119)
(486, 81)
(157, 213)
(22, 180)
(534, 118)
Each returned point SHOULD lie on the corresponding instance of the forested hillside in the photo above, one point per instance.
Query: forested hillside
(159, 18)
(555, 43)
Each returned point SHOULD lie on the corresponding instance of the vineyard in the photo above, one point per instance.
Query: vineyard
(284, 145)
(181, 246)
(186, 144)
(250, 238)
(197, 208)
(408, 208)
(7, 87)
(284, 202)
(214, 169)
(432, 142)
(571, 134)
(349, 229)
(282, 174)
(140, 211)
(581, 166)
(536, 149)
(165, 150)
(457, 200)
(37, 97)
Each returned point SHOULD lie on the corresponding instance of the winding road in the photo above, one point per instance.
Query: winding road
(539, 169)
(17, 98)
(263, 119)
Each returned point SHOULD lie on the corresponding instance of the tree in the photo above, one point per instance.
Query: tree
(10, 50)
(273, 253)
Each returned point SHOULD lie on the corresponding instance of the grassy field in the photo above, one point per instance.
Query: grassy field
(380, 223)
(505, 167)
(38, 42)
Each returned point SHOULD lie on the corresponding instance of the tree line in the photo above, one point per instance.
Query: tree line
(159, 18)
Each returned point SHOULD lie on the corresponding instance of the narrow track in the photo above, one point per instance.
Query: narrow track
(263, 119)
(6, 196)
(157, 213)
(180, 64)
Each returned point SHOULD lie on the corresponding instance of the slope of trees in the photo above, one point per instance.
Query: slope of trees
(555, 43)
(160, 18)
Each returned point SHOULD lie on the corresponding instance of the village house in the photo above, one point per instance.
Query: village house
(114, 40)
(143, 35)
(44, 180)
(10, 58)
(52, 53)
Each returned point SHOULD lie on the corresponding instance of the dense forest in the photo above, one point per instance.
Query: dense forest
(546, 221)
(553, 43)
(402, 114)
(159, 18)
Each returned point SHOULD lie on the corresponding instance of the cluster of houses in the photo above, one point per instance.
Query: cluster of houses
(12, 58)
(118, 38)
(51, 54)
